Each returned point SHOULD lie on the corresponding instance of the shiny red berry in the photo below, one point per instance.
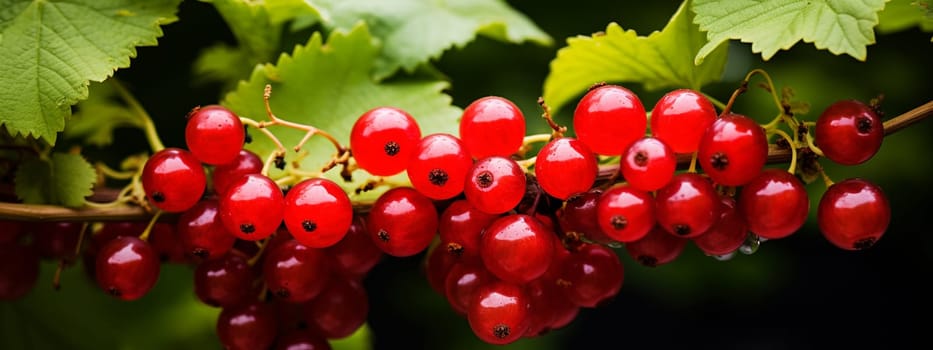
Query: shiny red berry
(688, 206)
(495, 185)
(247, 326)
(727, 234)
(173, 180)
(565, 166)
(656, 248)
(460, 227)
(853, 214)
(340, 309)
(202, 234)
(252, 208)
(439, 166)
(733, 150)
(499, 313)
(224, 175)
(462, 281)
(294, 272)
(383, 140)
(317, 212)
(225, 281)
(355, 254)
(775, 204)
(492, 126)
(849, 132)
(591, 275)
(608, 119)
(214, 134)
(402, 222)
(517, 248)
(679, 119)
(648, 164)
(127, 268)
(625, 214)
(579, 215)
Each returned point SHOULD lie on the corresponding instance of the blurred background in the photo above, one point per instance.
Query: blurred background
(799, 292)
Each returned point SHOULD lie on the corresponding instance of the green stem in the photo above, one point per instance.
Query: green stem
(144, 120)
(715, 102)
(793, 150)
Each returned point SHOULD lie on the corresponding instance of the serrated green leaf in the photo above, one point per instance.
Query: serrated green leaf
(284, 10)
(840, 26)
(415, 31)
(661, 60)
(902, 14)
(250, 23)
(99, 115)
(64, 179)
(328, 86)
(51, 49)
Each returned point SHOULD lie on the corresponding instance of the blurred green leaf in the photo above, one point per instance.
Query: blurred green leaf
(328, 86)
(660, 60)
(64, 179)
(899, 15)
(840, 26)
(99, 115)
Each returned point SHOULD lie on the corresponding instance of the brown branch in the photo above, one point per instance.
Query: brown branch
(127, 212)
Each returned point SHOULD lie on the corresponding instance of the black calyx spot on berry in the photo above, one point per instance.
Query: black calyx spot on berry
(437, 177)
(282, 293)
(455, 249)
(647, 260)
(308, 226)
(618, 222)
(641, 159)
(114, 291)
(200, 252)
(864, 125)
(247, 228)
(681, 229)
(864, 243)
(392, 148)
(158, 197)
(383, 235)
(484, 179)
(501, 331)
(719, 161)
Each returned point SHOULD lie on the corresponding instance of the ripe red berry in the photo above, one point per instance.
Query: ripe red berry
(19, 270)
(127, 267)
(224, 175)
(774, 204)
(679, 119)
(167, 245)
(657, 248)
(340, 309)
(460, 227)
(355, 254)
(565, 166)
(437, 265)
(517, 248)
(579, 215)
(402, 222)
(550, 308)
(383, 140)
(492, 126)
(609, 118)
(462, 281)
(10, 231)
(214, 134)
(733, 150)
(625, 214)
(294, 272)
(688, 206)
(439, 166)
(201, 232)
(727, 234)
(225, 281)
(173, 180)
(495, 185)
(648, 164)
(853, 214)
(247, 326)
(301, 339)
(591, 275)
(252, 208)
(317, 212)
(499, 313)
(56, 240)
(849, 132)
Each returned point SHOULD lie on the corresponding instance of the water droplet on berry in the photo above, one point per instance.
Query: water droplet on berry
(724, 257)
(752, 242)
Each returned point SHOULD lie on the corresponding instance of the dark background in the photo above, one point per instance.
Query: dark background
(799, 292)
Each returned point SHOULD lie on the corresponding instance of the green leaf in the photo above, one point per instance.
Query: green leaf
(840, 26)
(902, 14)
(99, 115)
(415, 31)
(661, 60)
(51, 49)
(328, 86)
(223, 63)
(251, 25)
(65, 179)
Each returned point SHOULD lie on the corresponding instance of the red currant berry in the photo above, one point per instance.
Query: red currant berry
(439, 166)
(127, 268)
(302, 339)
(849, 132)
(565, 166)
(774, 204)
(680, 118)
(625, 214)
(687, 206)
(252, 209)
(550, 308)
(591, 275)
(499, 312)
(10, 231)
(355, 254)
(340, 309)
(402, 222)
(495, 185)
(317, 212)
(648, 164)
(19, 270)
(225, 174)
(656, 248)
(224, 282)
(517, 248)
(247, 326)
(294, 272)
(214, 134)
(853, 214)
(383, 140)
(462, 280)
(733, 150)
(460, 227)
(727, 234)
(609, 118)
(56, 240)
(437, 265)
(492, 126)
(173, 180)
(579, 215)
(201, 232)
(166, 243)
